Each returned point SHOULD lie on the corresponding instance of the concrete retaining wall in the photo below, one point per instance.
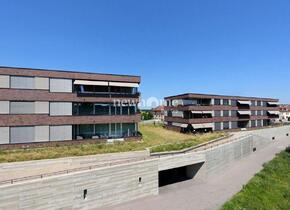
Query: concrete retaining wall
(180, 160)
(106, 186)
(30, 168)
(220, 157)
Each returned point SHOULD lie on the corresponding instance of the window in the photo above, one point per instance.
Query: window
(217, 102)
(125, 110)
(102, 109)
(234, 113)
(259, 103)
(253, 112)
(86, 131)
(253, 123)
(226, 113)
(102, 130)
(22, 82)
(86, 109)
(226, 125)
(226, 102)
(217, 113)
(126, 90)
(116, 130)
(132, 110)
(217, 126)
(234, 102)
(128, 129)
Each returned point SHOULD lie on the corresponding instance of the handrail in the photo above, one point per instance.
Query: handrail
(212, 143)
(44, 175)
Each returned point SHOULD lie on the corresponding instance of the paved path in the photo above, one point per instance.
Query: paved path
(210, 194)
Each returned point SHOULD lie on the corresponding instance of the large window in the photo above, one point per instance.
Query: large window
(116, 130)
(86, 131)
(217, 102)
(128, 129)
(102, 130)
(217, 113)
(226, 113)
(226, 125)
(86, 109)
(128, 90)
(226, 102)
(102, 109)
(93, 89)
(132, 110)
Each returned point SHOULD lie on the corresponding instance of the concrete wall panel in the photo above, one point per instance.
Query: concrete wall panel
(41, 107)
(60, 133)
(4, 135)
(41, 83)
(41, 133)
(61, 85)
(60, 108)
(21, 134)
(22, 82)
(105, 187)
(4, 81)
(4, 107)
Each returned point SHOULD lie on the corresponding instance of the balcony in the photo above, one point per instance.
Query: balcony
(105, 131)
(106, 89)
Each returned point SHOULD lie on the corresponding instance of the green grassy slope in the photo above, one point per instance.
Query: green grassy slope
(267, 190)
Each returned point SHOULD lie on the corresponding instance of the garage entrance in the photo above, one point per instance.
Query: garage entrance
(175, 175)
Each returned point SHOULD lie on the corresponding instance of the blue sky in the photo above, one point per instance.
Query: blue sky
(236, 47)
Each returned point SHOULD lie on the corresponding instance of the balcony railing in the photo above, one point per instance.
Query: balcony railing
(108, 94)
(103, 135)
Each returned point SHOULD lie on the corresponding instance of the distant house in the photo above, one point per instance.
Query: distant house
(284, 113)
(158, 113)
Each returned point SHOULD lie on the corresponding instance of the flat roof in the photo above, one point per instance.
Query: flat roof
(200, 95)
(64, 73)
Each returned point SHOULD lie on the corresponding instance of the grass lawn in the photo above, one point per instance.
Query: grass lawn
(269, 189)
(164, 139)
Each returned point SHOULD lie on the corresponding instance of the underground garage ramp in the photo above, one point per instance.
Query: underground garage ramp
(175, 175)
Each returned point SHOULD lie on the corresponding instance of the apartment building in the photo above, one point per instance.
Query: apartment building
(201, 112)
(47, 106)
(284, 113)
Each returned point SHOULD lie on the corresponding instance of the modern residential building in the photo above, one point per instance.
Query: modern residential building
(47, 106)
(200, 112)
(158, 113)
(284, 113)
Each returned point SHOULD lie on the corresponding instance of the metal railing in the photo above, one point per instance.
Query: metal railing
(68, 171)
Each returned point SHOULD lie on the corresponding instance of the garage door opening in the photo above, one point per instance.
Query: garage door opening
(175, 175)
